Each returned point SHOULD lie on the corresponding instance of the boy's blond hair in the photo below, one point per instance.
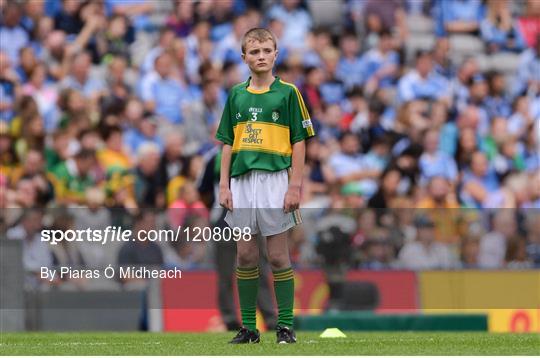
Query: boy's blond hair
(258, 34)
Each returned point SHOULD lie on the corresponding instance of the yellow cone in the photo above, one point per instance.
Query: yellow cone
(332, 333)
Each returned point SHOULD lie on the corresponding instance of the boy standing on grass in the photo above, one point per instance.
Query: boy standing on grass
(263, 128)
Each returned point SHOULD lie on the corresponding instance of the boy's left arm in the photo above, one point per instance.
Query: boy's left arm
(292, 197)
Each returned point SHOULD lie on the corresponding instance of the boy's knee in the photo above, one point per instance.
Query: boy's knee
(248, 258)
(279, 261)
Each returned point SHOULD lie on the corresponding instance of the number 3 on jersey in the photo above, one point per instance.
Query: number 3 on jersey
(254, 116)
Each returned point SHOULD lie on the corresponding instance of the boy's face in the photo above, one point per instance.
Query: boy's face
(260, 56)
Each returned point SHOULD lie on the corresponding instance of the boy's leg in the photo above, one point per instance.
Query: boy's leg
(278, 256)
(247, 276)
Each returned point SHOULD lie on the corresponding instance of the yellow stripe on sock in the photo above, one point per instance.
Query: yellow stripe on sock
(291, 277)
(285, 275)
(247, 274)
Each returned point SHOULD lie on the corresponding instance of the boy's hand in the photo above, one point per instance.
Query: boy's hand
(292, 199)
(225, 198)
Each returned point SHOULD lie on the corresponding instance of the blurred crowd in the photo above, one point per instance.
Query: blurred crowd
(111, 106)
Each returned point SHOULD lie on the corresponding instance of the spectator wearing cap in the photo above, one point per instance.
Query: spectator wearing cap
(423, 82)
(425, 253)
(162, 93)
(72, 177)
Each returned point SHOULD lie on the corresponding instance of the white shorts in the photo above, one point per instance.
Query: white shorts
(258, 197)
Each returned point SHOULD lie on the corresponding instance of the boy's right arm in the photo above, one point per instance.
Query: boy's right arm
(225, 195)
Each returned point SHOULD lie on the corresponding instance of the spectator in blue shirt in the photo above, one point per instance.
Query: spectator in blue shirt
(332, 90)
(81, 80)
(458, 16)
(144, 131)
(381, 64)
(441, 58)
(434, 162)
(423, 82)
(480, 186)
(13, 37)
(166, 37)
(528, 75)
(162, 93)
(138, 11)
(229, 49)
(350, 68)
(297, 23)
(499, 30)
(497, 102)
(8, 85)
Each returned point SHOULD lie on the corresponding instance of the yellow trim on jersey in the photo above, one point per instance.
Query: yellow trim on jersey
(254, 91)
(303, 108)
(264, 137)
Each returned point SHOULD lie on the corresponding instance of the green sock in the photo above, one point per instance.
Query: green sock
(284, 289)
(248, 287)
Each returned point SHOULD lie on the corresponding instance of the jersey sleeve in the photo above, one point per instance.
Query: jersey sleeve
(301, 126)
(225, 133)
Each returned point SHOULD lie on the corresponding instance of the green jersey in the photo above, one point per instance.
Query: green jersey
(262, 126)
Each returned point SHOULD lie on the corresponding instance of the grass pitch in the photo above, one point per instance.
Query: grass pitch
(309, 343)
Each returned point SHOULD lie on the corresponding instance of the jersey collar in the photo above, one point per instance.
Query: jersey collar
(276, 79)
